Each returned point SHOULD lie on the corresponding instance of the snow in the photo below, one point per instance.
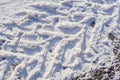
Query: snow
(58, 39)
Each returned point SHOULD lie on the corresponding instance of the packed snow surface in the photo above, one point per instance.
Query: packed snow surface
(58, 39)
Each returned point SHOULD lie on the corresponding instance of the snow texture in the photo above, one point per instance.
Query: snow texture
(59, 39)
